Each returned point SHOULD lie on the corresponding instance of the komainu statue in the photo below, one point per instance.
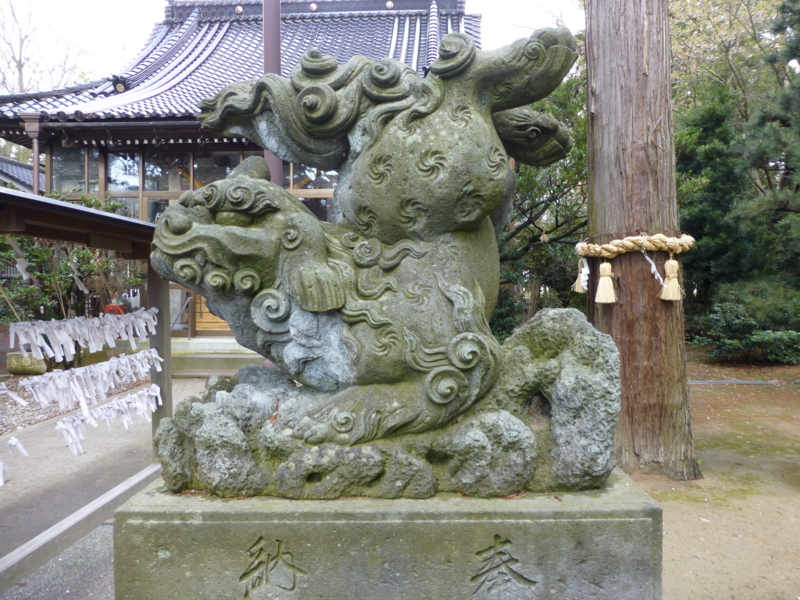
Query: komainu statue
(390, 383)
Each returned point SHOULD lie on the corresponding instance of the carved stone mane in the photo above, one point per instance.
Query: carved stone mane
(383, 317)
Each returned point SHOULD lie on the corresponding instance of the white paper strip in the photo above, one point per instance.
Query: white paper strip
(653, 268)
(142, 403)
(86, 386)
(12, 395)
(19, 256)
(88, 333)
(15, 443)
(585, 274)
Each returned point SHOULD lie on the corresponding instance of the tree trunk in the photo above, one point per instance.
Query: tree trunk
(631, 189)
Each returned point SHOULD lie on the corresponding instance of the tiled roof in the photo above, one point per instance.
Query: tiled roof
(20, 174)
(203, 45)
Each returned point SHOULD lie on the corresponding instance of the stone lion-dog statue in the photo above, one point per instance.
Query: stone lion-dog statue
(382, 316)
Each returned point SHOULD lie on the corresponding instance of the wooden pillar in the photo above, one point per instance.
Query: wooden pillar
(48, 168)
(631, 189)
(272, 64)
(33, 129)
(158, 296)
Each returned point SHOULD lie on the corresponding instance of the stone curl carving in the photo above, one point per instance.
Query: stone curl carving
(381, 318)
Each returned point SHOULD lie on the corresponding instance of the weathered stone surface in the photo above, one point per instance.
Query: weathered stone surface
(394, 385)
(25, 365)
(548, 424)
(392, 302)
(490, 454)
(599, 545)
(562, 376)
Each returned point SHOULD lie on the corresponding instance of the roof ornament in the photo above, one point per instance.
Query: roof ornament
(120, 83)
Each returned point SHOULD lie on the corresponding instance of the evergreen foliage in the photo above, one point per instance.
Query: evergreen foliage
(739, 196)
(734, 336)
(54, 292)
(549, 217)
(711, 178)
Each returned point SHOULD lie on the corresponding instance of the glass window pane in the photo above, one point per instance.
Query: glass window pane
(155, 208)
(212, 166)
(287, 175)
(68, 174)
(129, 208)
(306, 177)
(318, 206)
(123, 171)
(166, 171)
(93, 155)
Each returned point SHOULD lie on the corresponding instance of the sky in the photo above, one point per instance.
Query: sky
(112, 32)
(507, 20)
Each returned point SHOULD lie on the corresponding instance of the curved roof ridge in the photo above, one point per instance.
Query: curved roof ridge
(193, 62)
(169, 49)
(228, 47)
(168, 78)
(160, 31)
(433, 34)
(200, 3)
(81, 87)
(355, 14)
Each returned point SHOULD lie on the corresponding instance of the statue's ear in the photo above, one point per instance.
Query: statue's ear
(252, 166)
(312, 281)
(317, 287)
(531, 137)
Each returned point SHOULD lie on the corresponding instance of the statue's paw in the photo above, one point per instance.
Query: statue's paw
(312, 431)
(329, 425)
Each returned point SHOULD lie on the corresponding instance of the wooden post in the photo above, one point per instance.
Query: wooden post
(631, 189)
(272, 64)
(33, 130)
(158, 296)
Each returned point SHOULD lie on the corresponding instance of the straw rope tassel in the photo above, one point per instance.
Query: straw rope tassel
(579, 287)
(672, 288)
(605, 287)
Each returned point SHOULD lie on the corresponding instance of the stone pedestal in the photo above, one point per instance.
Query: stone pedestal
(603, 544)
(24, 366)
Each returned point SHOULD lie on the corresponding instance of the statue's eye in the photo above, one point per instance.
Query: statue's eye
(235, 219)
(176, 222)
(202, 215)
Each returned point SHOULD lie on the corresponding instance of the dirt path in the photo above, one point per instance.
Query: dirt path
(736, 533)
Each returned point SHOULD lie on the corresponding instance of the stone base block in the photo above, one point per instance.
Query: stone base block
(603, 544)
(24, 366)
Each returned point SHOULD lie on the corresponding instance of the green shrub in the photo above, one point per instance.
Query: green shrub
(735, 336)
(773, 303)
(505, 316)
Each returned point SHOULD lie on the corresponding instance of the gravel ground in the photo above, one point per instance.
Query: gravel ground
(14, 416)
(84, 571)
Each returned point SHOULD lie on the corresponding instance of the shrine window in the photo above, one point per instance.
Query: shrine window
(167, 171)
(211, 166)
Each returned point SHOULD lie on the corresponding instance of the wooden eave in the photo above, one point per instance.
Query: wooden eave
(124, 130)
(35, 216)
(143, 132)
